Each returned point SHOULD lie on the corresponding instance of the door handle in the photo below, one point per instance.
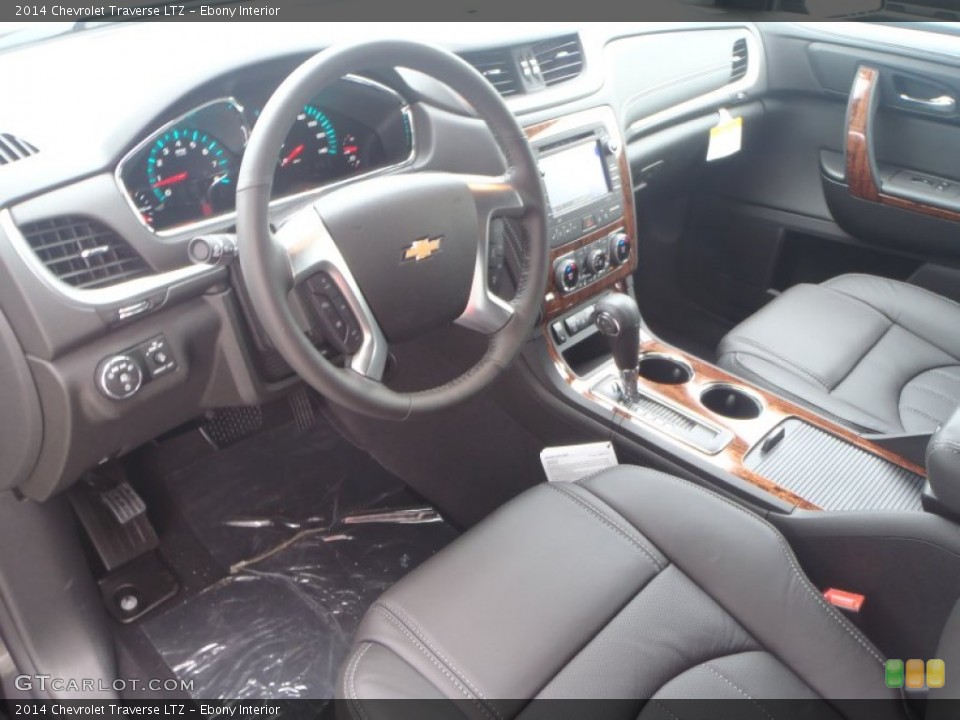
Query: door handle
(942, 103)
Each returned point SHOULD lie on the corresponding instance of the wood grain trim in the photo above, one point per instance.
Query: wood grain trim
(746, 433)
(554, 304)
(860, 174)
(924, 209)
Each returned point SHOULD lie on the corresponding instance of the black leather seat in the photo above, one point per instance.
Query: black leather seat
(876, 354)
(632, 584)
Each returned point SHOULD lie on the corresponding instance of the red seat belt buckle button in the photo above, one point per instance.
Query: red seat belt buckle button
(851, 602)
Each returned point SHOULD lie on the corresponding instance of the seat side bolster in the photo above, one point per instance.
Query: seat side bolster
(748, 568)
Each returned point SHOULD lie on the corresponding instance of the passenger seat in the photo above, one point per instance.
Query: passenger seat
(875, 354)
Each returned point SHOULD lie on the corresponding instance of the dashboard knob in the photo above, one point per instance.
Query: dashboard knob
(120, 377)
(567, 274)
(619, 248)
(597, 260)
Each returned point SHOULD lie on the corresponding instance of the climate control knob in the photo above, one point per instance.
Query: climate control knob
(597, 261)
(567, 274)
(619, 248)
(120, 377)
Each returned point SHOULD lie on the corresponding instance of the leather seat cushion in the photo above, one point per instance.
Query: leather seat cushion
(632, 584)
(876, 354)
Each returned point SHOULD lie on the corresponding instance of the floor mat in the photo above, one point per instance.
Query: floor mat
(309, 532)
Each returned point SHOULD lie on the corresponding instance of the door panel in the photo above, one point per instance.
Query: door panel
(826, 183)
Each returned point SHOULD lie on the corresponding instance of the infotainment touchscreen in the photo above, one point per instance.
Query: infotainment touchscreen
(574, 176)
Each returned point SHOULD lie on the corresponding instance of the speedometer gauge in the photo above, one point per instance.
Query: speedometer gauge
(309, 151)
(189, 169)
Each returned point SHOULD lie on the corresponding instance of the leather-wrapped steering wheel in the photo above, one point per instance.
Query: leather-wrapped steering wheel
(406, 252)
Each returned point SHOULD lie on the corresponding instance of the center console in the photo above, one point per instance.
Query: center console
(782, 449)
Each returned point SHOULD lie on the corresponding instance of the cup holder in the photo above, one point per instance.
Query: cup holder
(664, 370)
(731, 402)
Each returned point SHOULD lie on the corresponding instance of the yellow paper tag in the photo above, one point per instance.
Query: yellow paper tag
(726, 137)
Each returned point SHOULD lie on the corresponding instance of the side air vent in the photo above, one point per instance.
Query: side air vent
(740, 60)
(83, 252)
(560, 59)
(13, 148)
(498, 67)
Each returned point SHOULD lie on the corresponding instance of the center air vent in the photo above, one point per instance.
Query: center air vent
(740, 60)
(13, 148)
(559, 59)
(522, 69)
(498, 67)
(83, 252)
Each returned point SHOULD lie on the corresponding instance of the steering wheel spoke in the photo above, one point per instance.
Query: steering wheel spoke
(315, 266)
(494, 197)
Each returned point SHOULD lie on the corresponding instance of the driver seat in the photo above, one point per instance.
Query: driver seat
(631, 584)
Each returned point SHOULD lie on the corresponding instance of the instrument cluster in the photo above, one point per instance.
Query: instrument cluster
(185, 173)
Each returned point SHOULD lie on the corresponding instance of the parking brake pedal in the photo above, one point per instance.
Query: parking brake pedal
(135, 578)
(115, 518)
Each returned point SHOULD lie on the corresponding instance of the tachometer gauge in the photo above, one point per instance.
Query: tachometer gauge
(307, 154)
(188, 169)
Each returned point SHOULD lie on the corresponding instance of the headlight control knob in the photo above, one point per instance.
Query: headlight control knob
(119, 377)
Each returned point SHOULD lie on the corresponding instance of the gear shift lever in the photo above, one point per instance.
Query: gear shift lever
(618, 318)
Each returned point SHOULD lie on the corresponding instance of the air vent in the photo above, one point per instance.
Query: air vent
(83, 252)
(13, 148)
(740, 60)
(498, 67)
(560, 59)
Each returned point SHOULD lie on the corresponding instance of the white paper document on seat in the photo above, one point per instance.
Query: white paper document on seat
(575, 462)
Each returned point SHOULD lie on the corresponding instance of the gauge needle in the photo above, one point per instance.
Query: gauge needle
(179, 177)
(292, 156)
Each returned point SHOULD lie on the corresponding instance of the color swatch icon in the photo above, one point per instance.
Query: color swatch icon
(936, 673)
(914, 674)
(893, 673)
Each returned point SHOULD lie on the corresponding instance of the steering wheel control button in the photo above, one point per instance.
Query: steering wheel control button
(337, 321)
(120, 377)
(567, 274)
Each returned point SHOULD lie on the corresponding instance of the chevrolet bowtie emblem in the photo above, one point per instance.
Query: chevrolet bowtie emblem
(422, 249)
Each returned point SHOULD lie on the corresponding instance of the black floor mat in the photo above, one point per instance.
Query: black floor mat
(308, 531)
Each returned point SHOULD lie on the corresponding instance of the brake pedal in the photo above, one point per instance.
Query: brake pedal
(229, 425)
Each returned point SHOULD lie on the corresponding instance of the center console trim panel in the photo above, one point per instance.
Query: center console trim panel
(746, 435)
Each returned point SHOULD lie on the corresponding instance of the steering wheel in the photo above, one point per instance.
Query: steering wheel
(396, 255)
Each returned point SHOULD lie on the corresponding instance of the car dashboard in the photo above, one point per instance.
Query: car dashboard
(184, 174)
(115, 335)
